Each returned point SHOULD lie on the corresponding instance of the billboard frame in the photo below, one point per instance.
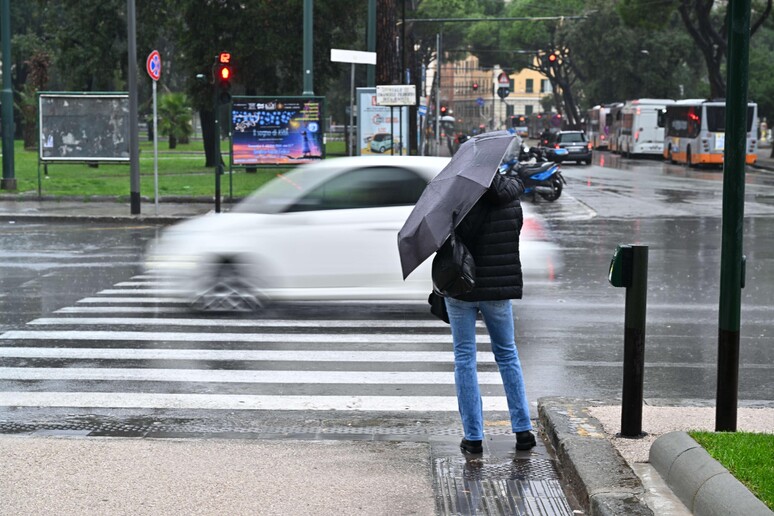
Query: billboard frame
(278, 98)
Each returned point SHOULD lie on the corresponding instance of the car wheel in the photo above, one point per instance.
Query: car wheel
(228, 291)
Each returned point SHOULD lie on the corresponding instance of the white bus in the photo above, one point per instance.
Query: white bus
(614, 125)
(696, 132)
(642, 129)
(596, 126)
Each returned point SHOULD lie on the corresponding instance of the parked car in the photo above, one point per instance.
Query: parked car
(324, 231)
(577, 145)
(381, 142)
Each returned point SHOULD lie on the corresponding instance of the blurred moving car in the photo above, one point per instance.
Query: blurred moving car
(324, 231)
(381, 142)
(576, 144)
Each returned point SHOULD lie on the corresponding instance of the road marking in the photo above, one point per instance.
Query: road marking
(154, 336)
(254, 323)
(121, 310)
(240, 376)
(241, 402)
(133, 300)
(141, 291)
(231, 355)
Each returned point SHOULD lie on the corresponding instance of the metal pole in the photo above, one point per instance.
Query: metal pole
(218, 157)
(634, 345)
(371, 43)
(438, 95)
(308, 33)
(733, 216)
(392, 130)
(134, 137)
(9, 176)
(155, 150)
(352, 113)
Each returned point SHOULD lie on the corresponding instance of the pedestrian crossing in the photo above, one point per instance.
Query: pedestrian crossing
(136, 346)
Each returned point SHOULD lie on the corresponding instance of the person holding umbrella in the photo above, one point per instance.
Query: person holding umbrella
(488, 201)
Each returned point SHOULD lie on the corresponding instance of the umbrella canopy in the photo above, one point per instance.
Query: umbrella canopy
(455, 189)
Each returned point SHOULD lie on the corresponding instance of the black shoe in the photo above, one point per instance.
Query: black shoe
(471, 447)
(525, 440)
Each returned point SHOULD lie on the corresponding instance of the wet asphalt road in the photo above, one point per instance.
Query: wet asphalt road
(569, 331)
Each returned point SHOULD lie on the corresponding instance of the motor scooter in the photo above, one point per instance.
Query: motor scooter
(539, 176)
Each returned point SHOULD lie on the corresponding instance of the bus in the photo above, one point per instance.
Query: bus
(614, 121)
(520, 124)
(695, 132)
(596, 126)
(539, 122)
(642, 129)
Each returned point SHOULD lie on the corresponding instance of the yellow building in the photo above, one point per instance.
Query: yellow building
(469, 93)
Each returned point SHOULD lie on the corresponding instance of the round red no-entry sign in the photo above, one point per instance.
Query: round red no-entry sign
(153, 65)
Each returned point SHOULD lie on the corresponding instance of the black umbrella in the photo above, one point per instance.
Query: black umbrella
(455, 189)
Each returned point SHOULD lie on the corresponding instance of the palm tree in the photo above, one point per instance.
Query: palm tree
(175, 118)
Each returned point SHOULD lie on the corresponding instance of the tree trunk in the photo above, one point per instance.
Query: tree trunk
(172, 141)
(387, 55)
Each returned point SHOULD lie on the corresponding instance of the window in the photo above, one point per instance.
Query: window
(545, 86)
(371, 187)
(528, 109)
(530, 86)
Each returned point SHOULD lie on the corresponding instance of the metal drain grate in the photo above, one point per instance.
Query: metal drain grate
(159, 429)
(513, 487)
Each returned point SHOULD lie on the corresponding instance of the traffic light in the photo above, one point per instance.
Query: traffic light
(444, 109)
(475, 86)
(223, 74)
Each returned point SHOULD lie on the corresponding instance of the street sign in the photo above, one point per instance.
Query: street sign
(153, 65)
(398, 95)
(422, 110)
(503, 79)
(353, 56)
(480, 101)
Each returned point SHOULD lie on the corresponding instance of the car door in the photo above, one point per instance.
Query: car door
(342, 235)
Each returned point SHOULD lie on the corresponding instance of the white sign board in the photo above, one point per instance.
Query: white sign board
(399, 95)
(353, 56)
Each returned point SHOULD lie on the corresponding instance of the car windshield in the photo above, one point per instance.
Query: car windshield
(284, 190)
(571, 137)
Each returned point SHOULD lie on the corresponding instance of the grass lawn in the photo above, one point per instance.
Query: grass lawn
(181, 172)
(747, 456)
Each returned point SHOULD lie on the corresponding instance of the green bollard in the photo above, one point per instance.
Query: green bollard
(629, 269)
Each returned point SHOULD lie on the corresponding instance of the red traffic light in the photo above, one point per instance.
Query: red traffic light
(225, 73)
(475, 86)
(552, 58)
(443, 110)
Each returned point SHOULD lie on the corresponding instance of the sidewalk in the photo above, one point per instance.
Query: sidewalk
(765, 161)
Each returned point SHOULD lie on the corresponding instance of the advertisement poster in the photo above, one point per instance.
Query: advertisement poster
(276, 130)
(380, 131)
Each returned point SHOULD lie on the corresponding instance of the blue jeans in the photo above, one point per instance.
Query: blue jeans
(498, 317)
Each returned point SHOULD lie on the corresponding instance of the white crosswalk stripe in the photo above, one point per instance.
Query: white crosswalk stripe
(131, 346)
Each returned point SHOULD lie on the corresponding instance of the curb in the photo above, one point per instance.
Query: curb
(599, 477)
(702, 483)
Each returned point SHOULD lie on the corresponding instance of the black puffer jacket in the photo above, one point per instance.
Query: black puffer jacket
(491, 233)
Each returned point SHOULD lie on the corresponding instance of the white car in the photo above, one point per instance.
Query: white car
(324, 231)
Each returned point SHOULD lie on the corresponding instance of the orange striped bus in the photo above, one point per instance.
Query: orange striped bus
(695, 132)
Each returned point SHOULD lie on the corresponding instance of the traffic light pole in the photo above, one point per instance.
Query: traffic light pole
(218, 157)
